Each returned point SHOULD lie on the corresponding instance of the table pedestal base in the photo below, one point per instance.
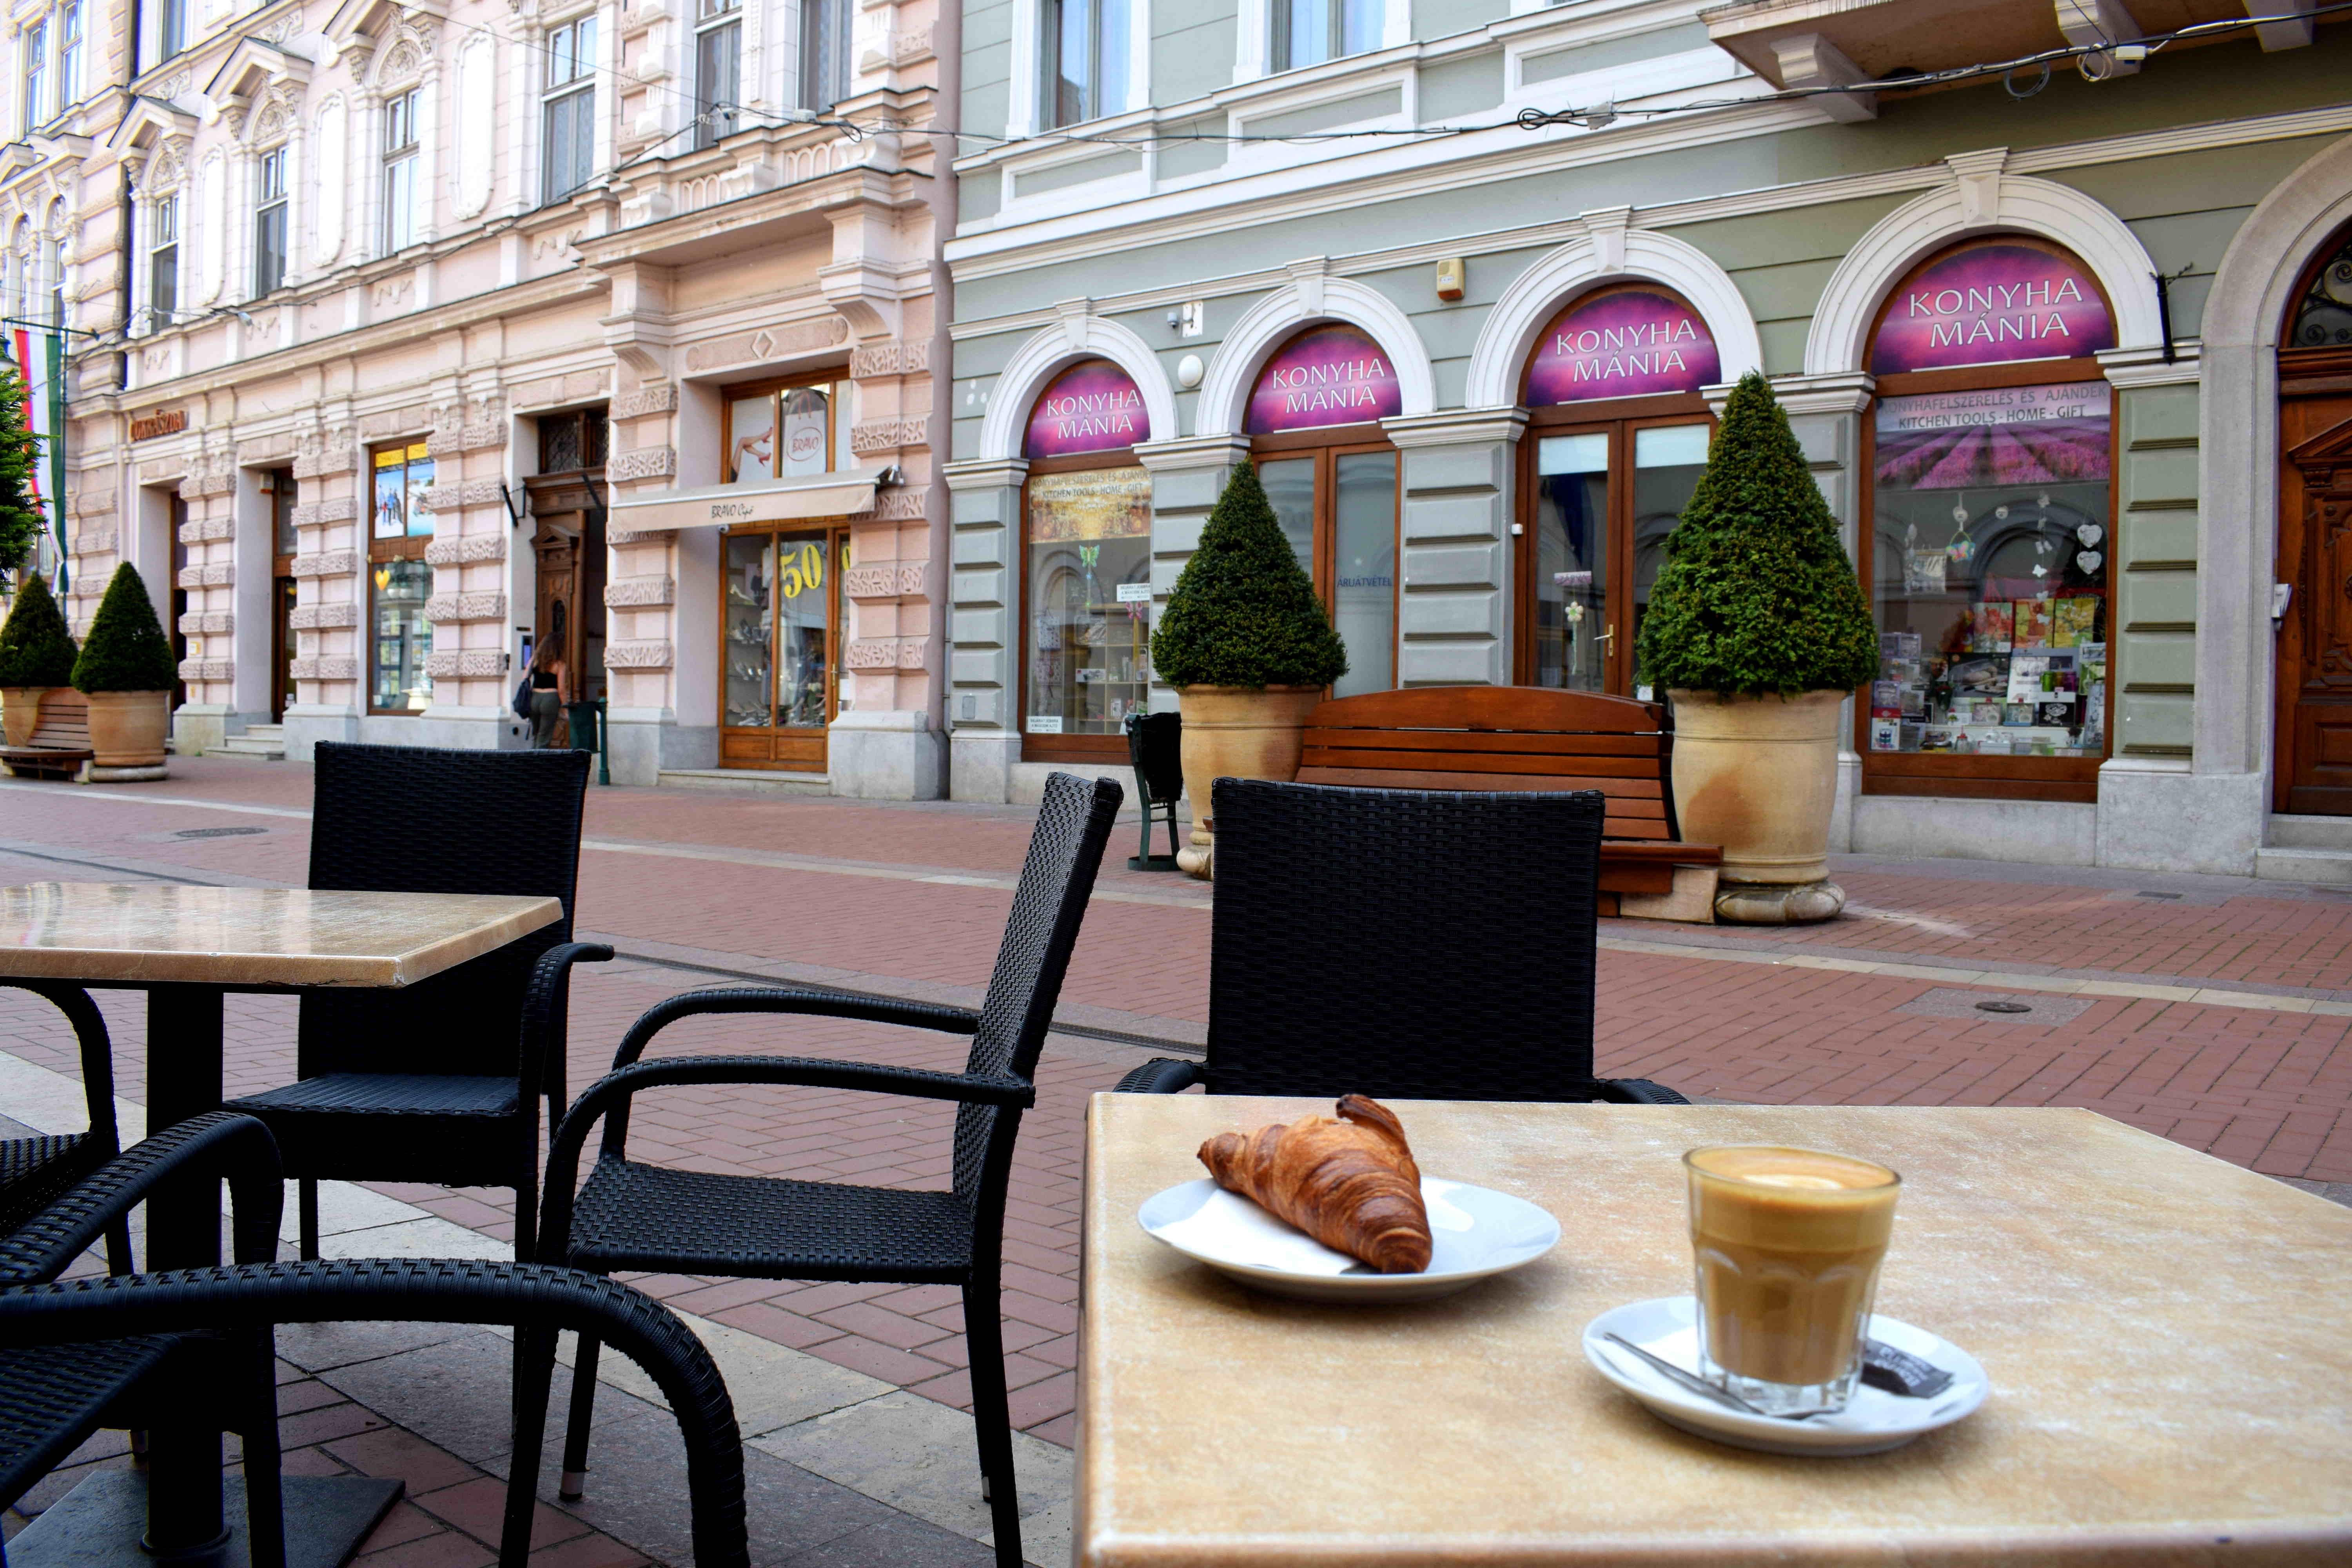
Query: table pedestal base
(99, 1523)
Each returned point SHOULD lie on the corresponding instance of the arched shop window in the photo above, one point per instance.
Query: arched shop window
(1617, 441)
(1086, 558)
(1990, 537)
(1331, 473)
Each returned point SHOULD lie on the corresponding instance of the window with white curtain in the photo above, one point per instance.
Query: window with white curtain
(1308, 32)
(269, 222)
(35, 43)
(1085, 64)
(171, 27)
(825, 52)
(69, 54)
(718, 71)
(568, 109)
(163, 261)
(401, 162)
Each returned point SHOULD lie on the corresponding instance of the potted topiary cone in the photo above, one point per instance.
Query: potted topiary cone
(126, 671)
(1247, 645)
(36, 655)
(1758, 629)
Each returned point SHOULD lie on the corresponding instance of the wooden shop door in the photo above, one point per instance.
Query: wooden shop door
(2314, 764)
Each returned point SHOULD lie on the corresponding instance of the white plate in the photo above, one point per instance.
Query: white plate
(1474, 1232)
(1873, 1422)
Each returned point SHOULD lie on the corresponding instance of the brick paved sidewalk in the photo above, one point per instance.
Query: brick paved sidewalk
(910, 901)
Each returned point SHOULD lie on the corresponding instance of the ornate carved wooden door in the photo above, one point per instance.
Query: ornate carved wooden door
(2313, 766)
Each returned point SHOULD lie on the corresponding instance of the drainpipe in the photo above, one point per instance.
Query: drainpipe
(947, 39)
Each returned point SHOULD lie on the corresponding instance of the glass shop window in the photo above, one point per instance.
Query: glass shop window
(1088, 600)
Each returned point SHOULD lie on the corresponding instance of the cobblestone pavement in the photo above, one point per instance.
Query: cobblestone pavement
(2213, 1011)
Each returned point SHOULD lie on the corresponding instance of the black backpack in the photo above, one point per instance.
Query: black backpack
(522, 697)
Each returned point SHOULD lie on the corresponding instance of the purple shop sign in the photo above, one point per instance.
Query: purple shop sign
(1325, 375)
(1093, 407)
(1631, 342)
(1989, 304)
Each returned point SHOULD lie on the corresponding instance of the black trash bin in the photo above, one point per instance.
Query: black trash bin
(587, 721)
(1155, 745)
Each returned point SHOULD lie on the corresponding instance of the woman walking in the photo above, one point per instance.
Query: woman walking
(551, 688)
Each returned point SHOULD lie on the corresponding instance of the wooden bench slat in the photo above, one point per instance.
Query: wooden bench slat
(1631, 769)
(1671, 852)
(1487, 741)
(1635, 878)
(1474, 778)
(1491, 708)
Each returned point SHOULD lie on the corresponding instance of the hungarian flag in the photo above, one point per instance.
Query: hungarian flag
(36, 361)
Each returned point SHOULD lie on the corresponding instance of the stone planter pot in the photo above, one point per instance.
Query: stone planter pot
(20, 713)
(127, 728)
(1237, 732)
(1759, 777)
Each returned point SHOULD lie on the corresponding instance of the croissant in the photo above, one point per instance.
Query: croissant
(1351, 1184)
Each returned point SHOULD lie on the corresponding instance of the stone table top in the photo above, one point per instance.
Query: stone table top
(2164, 1334)
(137, 933)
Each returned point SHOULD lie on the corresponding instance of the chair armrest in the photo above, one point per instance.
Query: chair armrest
(238, 1146)
(610, 1096)
(546, 1014)
(777, 999)
(426, 1290)
(97, 1052)
(1637, 1092)
(1162, 1074)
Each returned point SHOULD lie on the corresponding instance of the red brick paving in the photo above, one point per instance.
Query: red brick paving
(2268, 1089)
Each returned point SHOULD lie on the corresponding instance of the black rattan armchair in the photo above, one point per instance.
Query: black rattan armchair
(1403, 943)
(46, 1325)
(54, 1395)
(37, 1171)
(439, 1081)
(633, 1216)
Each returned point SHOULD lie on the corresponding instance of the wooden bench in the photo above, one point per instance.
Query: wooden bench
(60, 740)
(1527, 738)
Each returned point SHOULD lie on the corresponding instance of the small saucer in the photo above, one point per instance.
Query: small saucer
(1871, 1422)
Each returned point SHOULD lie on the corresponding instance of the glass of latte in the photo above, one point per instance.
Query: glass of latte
(1788, 1243)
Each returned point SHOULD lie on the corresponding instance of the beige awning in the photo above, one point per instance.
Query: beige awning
(777, 501)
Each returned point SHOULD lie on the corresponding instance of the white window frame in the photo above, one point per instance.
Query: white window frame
(396, 223)
(33, 52)
(69, 49)
(580, 82)
(1026, 114)
(163, 234)
(711, 18)
(1253, 59)
(266, 201)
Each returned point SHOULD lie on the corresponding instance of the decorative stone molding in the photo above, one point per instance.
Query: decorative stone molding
(890, 359)
(871, 582)
(904, 504)
(208, 670)
(442, 664)
(220, 576)
(397, 422)
(1055, 349)
(642, 463)
(327, 563)
(635, 593)
(92, 541)
(206, 531)
(326, 451)
(161, 469)
(219, 482)
(325, 511)
(323, 668)
(616, 537)
(475, 664)
(208, 623)
(322, 617)
(1311, 296)
(445, 609)
(768, 342)
(649, 654)
(92, 502)
(466, 550)
(253, 454)
(889, 435)
(454, 497)
(888, 653)
(661, 397)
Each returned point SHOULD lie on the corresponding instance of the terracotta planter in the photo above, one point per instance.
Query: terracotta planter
(1238, 732)
(20, 712)
(127, 728)
(1759, 777)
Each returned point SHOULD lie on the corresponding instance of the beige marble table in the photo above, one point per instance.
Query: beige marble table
(139, 934)
(2166, 1336)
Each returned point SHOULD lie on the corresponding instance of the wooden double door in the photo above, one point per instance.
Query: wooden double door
(2313, 774)
(568, 544)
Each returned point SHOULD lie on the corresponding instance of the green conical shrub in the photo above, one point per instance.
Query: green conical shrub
(20, 516)
(36, 649)
(1243, 612)
(1757, 594)
(126, 649)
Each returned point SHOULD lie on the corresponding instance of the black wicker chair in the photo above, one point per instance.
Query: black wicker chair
(45, 1325)
(54, 1395)
(37, 1171)
(633, 1216)
(1409, 945)
(1155, 746)
(439, 1081)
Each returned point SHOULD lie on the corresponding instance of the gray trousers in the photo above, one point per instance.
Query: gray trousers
(546, 708)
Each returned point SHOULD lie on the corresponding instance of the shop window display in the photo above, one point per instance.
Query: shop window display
(1089, 600)
(777, 647)
(400, 582)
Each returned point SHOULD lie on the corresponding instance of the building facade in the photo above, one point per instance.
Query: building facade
(434, 334)
(2066, 345)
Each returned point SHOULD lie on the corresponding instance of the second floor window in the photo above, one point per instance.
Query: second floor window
(1308, 32)
(69, 54)
(172, 27)
(1086, 59)
(163, 262)
(825, 52)
(569, 111)
(269, 222)
(37, 76)
(718, 71)
(400, 164)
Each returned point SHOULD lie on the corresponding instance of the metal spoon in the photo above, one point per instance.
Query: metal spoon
(1685, 1379)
